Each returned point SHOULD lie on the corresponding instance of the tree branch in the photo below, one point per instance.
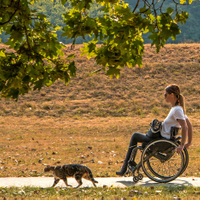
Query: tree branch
(27, 38)
(11, 15)
(136, 6)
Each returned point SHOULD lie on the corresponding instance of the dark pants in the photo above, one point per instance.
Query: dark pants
(135, 138)
(139, 137)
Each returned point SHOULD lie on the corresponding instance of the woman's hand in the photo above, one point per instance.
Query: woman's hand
(180, 149)
(187, 145)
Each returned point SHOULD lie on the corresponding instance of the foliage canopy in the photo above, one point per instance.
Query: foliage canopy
(36, 57)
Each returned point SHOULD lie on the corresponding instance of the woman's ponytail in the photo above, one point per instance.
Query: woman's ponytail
(182, 102)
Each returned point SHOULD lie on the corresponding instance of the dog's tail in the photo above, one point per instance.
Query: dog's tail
(91, 176)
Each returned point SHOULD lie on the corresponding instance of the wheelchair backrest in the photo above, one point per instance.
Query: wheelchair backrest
(174, 131)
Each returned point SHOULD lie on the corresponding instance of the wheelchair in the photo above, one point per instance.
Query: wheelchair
(159, 160)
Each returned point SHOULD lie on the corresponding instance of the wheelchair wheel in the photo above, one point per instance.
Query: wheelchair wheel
(186, 161)
(161, 163)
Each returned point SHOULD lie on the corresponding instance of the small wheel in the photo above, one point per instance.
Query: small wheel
(135, 179)
(140, 176)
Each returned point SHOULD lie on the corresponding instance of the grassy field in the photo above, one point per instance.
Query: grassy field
(90, 121)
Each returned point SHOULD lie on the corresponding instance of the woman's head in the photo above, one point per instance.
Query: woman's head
(176, 94)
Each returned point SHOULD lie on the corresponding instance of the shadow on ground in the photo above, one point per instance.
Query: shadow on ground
(148, 183)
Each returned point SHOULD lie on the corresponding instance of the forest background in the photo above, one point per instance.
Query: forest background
(54, 10)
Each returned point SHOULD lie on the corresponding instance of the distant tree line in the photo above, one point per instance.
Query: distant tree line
(190, 32)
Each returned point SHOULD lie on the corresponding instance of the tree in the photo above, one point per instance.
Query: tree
(36, 57)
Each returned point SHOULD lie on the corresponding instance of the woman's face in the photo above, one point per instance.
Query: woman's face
(169, 98)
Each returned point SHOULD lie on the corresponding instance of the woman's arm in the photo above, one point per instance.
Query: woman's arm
(190, 133)
(184, 134)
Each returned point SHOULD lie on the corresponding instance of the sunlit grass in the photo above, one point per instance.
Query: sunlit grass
(133, 193)
(28, 143)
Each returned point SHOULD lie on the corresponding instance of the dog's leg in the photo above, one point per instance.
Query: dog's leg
(90, 178)
(78, 179)
(56, 180)
(65, 181)
(94, 184)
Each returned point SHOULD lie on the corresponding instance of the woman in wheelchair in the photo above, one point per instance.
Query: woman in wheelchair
(176, 118)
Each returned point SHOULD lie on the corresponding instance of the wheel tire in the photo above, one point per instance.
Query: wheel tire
(140, 176)
(135, 179)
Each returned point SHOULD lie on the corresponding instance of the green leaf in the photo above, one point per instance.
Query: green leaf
(113, 71)
(71, 56)
(145, 10)
(170, 10)
(26, 79)
(14, 93)
(67, 78)
(16, 36)
(72, 68)
(182, 1)
(48, 83)
(32, 2)
(63, 1)
(2, 54)
(39, 84)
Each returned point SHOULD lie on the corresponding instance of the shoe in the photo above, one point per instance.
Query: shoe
(123, 169)
(125, 165)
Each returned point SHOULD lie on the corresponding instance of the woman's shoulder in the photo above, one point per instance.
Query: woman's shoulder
(178, 108)
(178, 111)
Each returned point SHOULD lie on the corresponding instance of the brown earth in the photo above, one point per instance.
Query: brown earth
(93, 117)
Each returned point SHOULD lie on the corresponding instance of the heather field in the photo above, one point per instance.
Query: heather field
(91, 120)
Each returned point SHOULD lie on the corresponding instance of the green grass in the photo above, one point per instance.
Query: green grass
(115, 193)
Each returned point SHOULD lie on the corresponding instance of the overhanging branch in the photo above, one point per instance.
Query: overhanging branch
(136, 5)
(11, 15)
